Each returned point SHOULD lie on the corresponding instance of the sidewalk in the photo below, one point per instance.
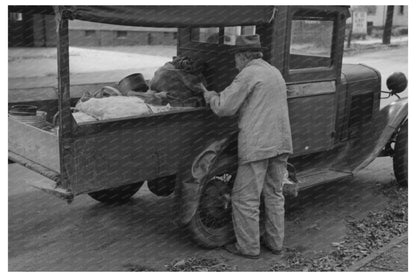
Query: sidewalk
(369, 41)
(373, 44)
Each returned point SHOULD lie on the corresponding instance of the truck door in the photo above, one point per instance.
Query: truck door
(311, 68)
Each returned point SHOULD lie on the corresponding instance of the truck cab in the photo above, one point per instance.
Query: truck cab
(306, 45)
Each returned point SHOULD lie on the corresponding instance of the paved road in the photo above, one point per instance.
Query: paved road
(47, 234)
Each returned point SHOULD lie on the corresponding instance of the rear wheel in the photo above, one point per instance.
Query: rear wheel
(400, 157)
(212, 226)
(116, 195)
(163, 186)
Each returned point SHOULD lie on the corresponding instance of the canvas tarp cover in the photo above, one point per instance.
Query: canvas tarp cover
(172, 16)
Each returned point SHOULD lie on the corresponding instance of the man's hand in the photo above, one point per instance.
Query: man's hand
(201, 87)
(207, 94)
(162, 94)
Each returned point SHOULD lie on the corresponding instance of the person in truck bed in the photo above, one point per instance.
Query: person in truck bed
(258, 95)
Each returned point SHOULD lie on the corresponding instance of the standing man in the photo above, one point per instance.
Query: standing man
(258, 94)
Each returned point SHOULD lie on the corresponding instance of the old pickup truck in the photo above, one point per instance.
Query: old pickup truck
(337, 125)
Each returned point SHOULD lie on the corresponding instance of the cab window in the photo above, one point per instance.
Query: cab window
(230, 33)
(213, 35)
(311, 43)
(205, 35)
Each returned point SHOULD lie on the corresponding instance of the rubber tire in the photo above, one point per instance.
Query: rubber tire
(163, 186)
(400, 157)
(207, 237)
(117, 195)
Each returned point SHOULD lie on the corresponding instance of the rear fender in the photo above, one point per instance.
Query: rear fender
(387, 121)
(220, 153)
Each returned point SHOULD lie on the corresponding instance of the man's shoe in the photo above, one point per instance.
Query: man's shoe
(274, 251)
(233, 249)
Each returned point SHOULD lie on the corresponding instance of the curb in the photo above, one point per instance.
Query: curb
(358, 49)
(378, 252)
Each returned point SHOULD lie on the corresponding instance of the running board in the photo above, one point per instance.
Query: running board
(311, 178)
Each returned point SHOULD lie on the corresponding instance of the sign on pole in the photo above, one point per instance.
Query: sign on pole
(359, 22)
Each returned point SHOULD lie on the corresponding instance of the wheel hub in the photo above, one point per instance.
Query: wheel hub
(216, 203)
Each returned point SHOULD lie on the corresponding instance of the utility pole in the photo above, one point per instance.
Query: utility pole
(388, 25)
(350, 32)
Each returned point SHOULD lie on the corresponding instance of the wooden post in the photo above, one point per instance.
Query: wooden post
(64, 98)
(388, 26)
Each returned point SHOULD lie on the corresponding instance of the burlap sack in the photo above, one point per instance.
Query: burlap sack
(179, 85)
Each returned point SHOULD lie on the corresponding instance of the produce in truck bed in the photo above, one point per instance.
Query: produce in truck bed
(117, 107)
(180, 79)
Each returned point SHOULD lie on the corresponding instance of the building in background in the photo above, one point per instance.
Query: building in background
(34, 26)
(31, 26)
(377, 15)
(82, 33)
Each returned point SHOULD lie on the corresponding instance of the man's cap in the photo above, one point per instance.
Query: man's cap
(247, 43)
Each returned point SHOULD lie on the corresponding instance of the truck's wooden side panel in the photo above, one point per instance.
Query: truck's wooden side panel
(110, 154)
(34, 144)
(114, 158)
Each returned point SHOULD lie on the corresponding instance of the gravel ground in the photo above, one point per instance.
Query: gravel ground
(396, 259)
(363, 237)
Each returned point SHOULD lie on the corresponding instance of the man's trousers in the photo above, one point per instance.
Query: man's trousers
(252, 179)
